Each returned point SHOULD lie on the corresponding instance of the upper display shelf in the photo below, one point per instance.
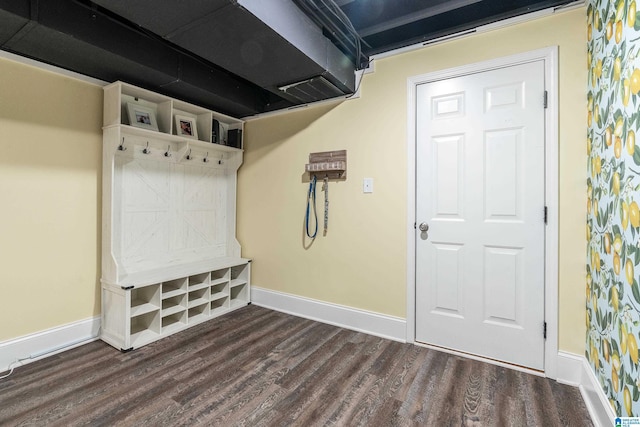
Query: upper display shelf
(144, 110)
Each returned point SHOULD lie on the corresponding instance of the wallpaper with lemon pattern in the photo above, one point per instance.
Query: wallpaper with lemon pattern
(613, 189)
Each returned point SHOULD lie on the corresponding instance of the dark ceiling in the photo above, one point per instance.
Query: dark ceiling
(240, 57)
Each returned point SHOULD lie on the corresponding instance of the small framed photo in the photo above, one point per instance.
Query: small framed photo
(141, 116)
(186, 126)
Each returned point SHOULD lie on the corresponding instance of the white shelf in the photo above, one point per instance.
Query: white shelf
(198, 301)
(138, 308)
(173, 293)
(199, 286)
(172, 310)
(161, 136)
(237, 282)
(219, 281)
(218, 295)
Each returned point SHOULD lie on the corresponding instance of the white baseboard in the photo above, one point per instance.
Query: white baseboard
(29, 348)
(569, 368)
(381, 325)
(597, 402)
(576, 371)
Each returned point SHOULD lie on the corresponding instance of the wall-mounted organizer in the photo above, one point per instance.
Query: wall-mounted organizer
(170, 258)
(328, 164)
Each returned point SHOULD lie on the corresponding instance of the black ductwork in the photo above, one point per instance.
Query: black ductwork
(270, 43)
(238, 57)
(81, 37)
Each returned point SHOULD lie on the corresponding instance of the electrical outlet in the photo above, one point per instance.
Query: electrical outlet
(367, 185)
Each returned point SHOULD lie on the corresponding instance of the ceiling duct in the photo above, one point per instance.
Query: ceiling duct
(80, 36)
(270, 43)
(311, 90)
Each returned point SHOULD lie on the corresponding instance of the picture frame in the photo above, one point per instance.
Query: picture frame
(141, 116)
(186, 126)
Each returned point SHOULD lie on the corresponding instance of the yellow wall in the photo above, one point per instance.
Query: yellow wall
(50, 168)
(362, 261)
(50, 145)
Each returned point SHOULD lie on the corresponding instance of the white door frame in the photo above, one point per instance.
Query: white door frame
(550, 57)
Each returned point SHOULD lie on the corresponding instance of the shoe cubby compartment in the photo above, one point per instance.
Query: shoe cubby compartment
(145, 299)
(145, 328)
(174, 305)
(172, 288)
(174, 321)
(220, 305)
(239, 295)
(198, 297)
(219, 290)
(198, 313)
(199, 281)
(239, 275)
(220, 276)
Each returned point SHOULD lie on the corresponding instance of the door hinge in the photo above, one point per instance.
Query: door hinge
(545, 99)
(544, 330)
(415, 225)
(545, 215)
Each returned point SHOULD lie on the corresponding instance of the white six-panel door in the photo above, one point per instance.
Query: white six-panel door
(480, 192)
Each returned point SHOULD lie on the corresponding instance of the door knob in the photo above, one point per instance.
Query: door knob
(423, 226)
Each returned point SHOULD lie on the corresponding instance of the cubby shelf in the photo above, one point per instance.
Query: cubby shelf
(218, 281)
(172, 310)
(198, 287)
(160, 309)
(138, 308)
(197, 301)
(237, 282)
(172, 293)
(164, 269)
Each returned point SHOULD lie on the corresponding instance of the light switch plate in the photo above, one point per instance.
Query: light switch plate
(367, 185)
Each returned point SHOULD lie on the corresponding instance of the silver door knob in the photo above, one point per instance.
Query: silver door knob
(423, 226)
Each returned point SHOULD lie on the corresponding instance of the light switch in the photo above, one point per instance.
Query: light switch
(367, 185)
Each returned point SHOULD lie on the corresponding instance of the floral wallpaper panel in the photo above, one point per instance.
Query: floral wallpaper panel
(613, 200)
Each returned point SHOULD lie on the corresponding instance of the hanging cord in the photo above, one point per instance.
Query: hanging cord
(325, 188)
(12, 366)
(312, 196)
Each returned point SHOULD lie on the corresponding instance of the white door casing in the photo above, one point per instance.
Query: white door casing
(497, 260)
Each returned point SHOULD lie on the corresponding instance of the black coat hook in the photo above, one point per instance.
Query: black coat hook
(146, 150)
(168, 152)
(121, 147)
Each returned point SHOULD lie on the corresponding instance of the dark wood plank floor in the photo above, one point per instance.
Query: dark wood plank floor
(257, 367)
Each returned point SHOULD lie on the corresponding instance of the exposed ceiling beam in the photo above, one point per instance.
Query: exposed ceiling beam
(416, 16)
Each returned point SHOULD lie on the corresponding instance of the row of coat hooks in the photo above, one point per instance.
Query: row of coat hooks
(167, 153)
